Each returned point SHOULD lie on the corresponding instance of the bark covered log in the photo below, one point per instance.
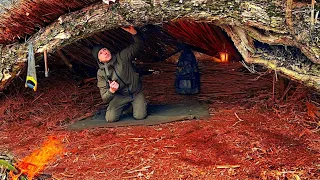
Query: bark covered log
(272, 22)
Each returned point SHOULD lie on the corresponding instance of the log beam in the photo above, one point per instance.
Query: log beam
(244, 17)
(307, 79)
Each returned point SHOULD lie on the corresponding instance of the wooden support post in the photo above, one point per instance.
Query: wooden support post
(46, 69)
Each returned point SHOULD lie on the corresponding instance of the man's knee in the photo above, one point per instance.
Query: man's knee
(140, 113)
(139, 107)
(140, 116)
(112, 116)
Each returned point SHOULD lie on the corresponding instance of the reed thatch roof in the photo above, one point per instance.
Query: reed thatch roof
(21, 18)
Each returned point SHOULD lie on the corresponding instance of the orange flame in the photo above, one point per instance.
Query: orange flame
(34, 163)
(224, 57)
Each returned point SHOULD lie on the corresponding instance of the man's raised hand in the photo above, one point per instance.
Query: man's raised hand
(130, 29)
(114, 86)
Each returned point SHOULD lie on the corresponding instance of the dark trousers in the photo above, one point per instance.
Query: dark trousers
(119, 102)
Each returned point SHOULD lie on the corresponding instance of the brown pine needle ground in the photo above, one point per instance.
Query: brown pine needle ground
(247, 135)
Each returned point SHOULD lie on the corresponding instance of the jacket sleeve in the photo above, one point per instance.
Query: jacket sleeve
(104, 87)
(132, 50)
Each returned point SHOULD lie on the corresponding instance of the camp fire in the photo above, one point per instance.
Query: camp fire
(33, 164)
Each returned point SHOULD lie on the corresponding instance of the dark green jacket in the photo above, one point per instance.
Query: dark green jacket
(120, 69)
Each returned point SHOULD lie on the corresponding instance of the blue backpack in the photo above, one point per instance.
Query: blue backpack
(187, 73)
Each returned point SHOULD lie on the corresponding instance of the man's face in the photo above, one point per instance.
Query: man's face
(104, 55)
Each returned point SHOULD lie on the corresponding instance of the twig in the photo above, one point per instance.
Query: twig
(36, 98)
(169, 146)
(172, 153)
(67, 175)
(136, 167)
(250, 69)
(273, 86)
(139, 170)
(260, 75)
(55, 177)
(316, 103)
(286, 91)
(316, 130)
(136, 139)
(227, 166)
(240, 120)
